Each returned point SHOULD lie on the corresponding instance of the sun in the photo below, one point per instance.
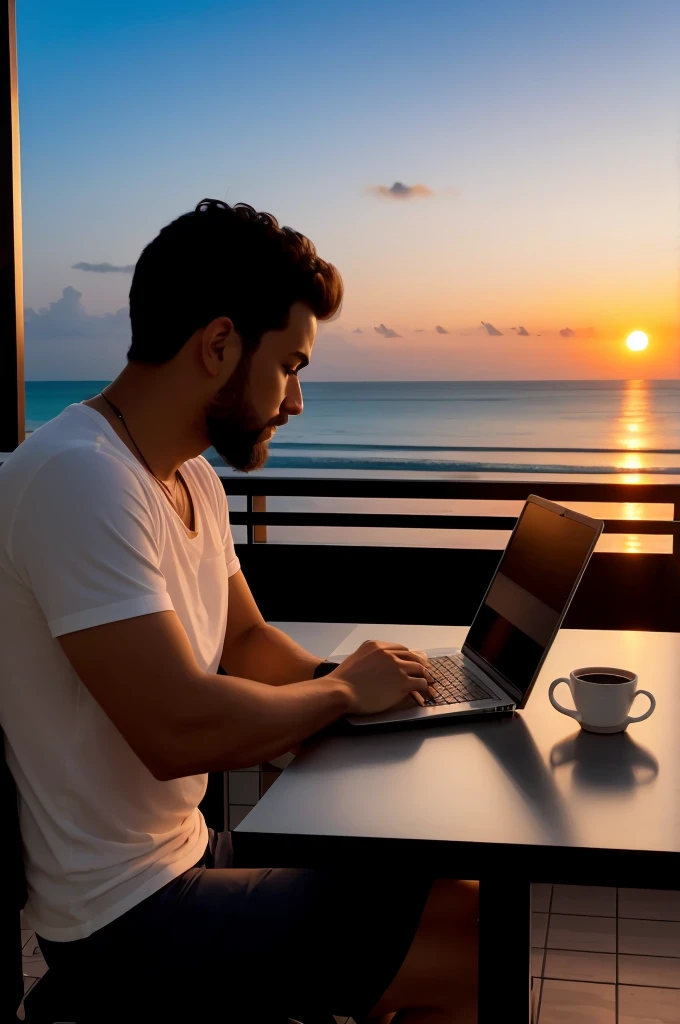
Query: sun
(637, 341)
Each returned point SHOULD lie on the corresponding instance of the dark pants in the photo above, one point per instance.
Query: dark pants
(246, 944)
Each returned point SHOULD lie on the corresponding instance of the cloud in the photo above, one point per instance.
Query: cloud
(580, 332)
(520, 330)
(441, 330)
(490, 329)
(357, 330)
(419, 330)
(386, 332)
(104, 268)
(65, 341)
(66, 318)
(400, 191)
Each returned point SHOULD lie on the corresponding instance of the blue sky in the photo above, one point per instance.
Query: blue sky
(546, 134)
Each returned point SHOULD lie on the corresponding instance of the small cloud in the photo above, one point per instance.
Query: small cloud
(104, 268)
(520, 330)
(419, 330)
(490, 329)
(567, 332)
(386, 332)
(441, 330)
(357, 330)
(400, 191)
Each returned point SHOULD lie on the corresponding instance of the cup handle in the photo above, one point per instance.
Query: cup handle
(558, 707)
(652, 705)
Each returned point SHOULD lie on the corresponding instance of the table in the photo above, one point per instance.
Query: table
(508, 801)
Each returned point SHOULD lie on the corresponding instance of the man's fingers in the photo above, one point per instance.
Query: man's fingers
(385, 645)
(419, 685)
(413, 658)
(416, 670)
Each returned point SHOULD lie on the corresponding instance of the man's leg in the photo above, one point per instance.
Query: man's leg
(437, 982)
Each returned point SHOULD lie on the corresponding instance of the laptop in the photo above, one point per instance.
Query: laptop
(495, 670)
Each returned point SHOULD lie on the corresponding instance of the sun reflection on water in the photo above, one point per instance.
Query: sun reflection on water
(633, 425)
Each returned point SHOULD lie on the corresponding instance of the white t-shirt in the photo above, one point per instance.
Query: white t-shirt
(88, 537)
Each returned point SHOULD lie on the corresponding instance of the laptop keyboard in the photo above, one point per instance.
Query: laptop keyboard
(452, 684)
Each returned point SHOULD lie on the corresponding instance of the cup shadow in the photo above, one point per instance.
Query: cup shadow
(607, 762)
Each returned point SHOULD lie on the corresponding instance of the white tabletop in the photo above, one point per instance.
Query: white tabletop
(534, 779)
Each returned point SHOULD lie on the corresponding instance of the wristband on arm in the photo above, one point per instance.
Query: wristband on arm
(323, 668)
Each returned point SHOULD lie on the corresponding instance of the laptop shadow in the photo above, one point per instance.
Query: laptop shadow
(506, 737)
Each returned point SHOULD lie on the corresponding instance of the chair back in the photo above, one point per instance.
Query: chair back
(12, 893)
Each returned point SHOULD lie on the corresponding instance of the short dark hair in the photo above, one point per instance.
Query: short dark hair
(222, 260)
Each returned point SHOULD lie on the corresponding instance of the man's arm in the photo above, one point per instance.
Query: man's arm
(253, 649)
(182, 721)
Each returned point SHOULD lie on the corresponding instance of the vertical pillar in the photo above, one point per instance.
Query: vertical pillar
(12, 408)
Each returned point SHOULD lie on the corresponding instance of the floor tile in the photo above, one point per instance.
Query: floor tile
(35, 967)
(660, 971)
(575, 965)
(536, 988)
(28, 983)
(537, 956)
(649, 938)
(587, 900)
(539, 929)
(650, 904)
(540, 897)
(31, 948)
(26, 934)
(648, 1005)
(594, 934)
(576, 1002)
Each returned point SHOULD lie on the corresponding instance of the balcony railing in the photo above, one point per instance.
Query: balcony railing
(341, 581)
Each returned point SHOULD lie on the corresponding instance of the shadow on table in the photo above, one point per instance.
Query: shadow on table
(508, 739)
(512, 745)
(615, 763)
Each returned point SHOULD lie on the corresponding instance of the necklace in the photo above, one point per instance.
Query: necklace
(163, 484)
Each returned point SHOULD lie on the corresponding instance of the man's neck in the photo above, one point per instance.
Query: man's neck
(158, 416)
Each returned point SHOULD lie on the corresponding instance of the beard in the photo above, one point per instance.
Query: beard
(234, 428)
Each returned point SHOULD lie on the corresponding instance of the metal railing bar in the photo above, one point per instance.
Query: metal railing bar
(665, 493)
(427, 522)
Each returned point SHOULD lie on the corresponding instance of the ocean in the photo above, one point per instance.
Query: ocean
(610, 429)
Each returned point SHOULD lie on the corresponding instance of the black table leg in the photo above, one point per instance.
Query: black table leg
(504, 952)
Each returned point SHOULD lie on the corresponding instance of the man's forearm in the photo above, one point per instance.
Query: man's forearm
(268, 655)
(237, 723)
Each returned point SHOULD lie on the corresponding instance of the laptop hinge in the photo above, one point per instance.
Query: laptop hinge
(506, 686)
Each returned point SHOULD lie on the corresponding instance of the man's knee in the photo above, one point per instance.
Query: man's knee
(453, 907)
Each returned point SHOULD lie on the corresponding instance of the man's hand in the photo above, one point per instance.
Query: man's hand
(380, 675)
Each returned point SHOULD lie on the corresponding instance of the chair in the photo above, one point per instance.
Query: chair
(48, 1001)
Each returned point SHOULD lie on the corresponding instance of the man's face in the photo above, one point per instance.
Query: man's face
(262, 393)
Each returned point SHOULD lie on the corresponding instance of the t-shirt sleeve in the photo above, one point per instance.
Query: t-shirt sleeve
(86, 542)
(233, 563)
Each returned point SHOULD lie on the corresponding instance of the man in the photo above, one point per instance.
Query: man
(120, 596)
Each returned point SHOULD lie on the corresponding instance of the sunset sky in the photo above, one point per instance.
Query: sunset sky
(543, 138)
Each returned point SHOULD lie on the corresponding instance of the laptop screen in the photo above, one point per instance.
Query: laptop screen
(529, 593)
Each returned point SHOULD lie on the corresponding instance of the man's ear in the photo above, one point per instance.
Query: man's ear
(220, 347)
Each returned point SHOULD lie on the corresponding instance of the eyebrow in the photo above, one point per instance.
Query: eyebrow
(303, 359)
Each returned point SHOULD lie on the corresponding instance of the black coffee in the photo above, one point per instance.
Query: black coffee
(603, 677)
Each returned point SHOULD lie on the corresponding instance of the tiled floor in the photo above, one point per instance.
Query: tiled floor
(605, 956)
(599, 956)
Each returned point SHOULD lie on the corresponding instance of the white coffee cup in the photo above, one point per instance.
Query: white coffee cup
(603, 698)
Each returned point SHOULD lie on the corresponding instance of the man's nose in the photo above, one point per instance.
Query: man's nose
(293, 403)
